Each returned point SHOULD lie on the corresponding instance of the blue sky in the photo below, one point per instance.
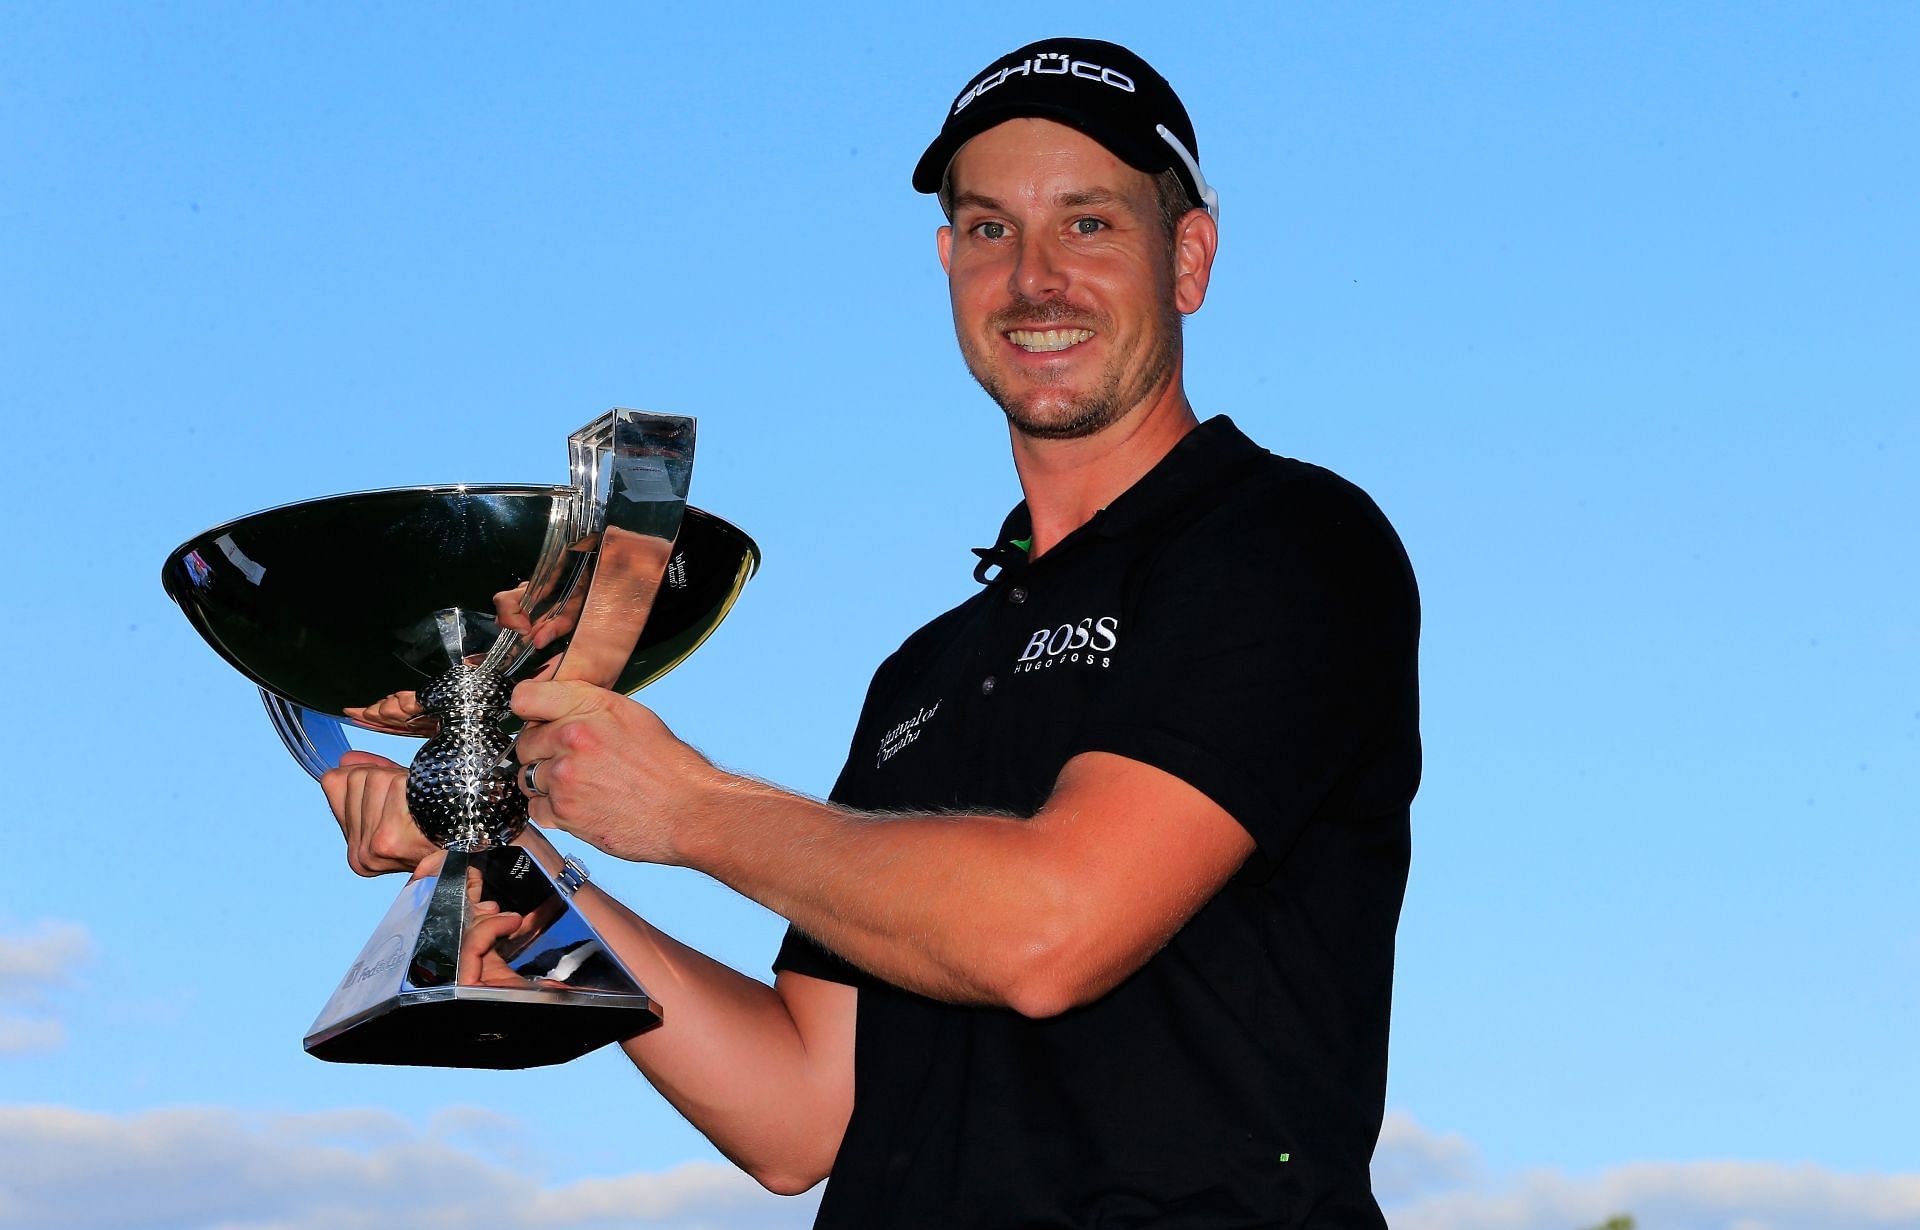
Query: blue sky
(1612, 308)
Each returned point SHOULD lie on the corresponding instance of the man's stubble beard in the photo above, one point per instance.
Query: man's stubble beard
(1089, 413)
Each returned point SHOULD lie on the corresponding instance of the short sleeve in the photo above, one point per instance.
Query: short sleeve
(800, 954)
(1266, 656)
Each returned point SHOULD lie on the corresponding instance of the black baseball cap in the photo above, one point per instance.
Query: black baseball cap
(1100, 88)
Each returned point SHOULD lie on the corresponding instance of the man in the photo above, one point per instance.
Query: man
(1097, 929)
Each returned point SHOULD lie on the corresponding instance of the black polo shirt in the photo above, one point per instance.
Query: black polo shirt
(1247, 623)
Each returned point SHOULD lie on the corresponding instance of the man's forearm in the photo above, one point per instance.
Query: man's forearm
(956, 907)
(771, 1090)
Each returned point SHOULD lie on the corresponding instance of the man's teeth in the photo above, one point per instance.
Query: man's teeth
(1048, 339)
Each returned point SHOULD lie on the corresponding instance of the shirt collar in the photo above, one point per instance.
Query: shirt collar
(1200, 462)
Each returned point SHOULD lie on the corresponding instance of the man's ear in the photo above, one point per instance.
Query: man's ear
(944, 238)
(1194, 239)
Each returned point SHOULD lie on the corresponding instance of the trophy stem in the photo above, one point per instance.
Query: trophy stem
(463, 787)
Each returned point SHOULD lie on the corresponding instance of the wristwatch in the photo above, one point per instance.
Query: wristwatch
(573, 874)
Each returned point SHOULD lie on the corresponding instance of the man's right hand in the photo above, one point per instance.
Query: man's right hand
(368, 794)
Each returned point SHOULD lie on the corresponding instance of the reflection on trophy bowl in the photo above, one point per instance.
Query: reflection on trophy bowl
(337, 603)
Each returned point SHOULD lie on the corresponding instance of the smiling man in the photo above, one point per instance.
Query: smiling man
(1097, 927)
(1047, 210)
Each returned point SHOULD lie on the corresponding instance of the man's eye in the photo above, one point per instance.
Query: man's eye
(1088, 226)
(991, 230)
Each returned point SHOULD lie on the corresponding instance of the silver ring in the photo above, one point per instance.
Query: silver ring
(530, 788)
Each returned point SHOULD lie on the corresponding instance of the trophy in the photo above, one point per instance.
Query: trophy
(414, 611)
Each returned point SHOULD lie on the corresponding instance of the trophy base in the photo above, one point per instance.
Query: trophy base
(483, 1027)
(428, 992)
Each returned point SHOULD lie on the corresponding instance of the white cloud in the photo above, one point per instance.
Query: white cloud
(1428, 1181)
(42, 957)
(1411, 1160)
(216, 1169)
(32, 963)
(23, 1035)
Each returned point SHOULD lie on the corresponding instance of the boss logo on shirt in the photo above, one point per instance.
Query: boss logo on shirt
(896, 740)
(1090, 642)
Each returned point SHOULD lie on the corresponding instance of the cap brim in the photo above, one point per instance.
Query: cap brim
(1150, 157)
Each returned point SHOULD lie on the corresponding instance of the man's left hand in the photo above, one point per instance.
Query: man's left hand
(610, 772)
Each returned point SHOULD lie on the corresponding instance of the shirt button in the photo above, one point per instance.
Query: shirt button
(987, 686)
(1017, 594)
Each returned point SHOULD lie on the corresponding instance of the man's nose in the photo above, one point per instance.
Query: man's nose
(1039, 271)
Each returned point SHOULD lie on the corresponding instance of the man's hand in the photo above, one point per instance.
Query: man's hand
(611, 773)
(368, 794)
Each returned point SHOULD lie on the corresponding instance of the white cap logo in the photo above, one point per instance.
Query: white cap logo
(1047, 64)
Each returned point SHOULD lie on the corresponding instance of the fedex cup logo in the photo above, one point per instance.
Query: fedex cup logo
(1047, 64)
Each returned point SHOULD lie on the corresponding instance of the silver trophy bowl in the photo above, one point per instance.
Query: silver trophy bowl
(413, 611)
